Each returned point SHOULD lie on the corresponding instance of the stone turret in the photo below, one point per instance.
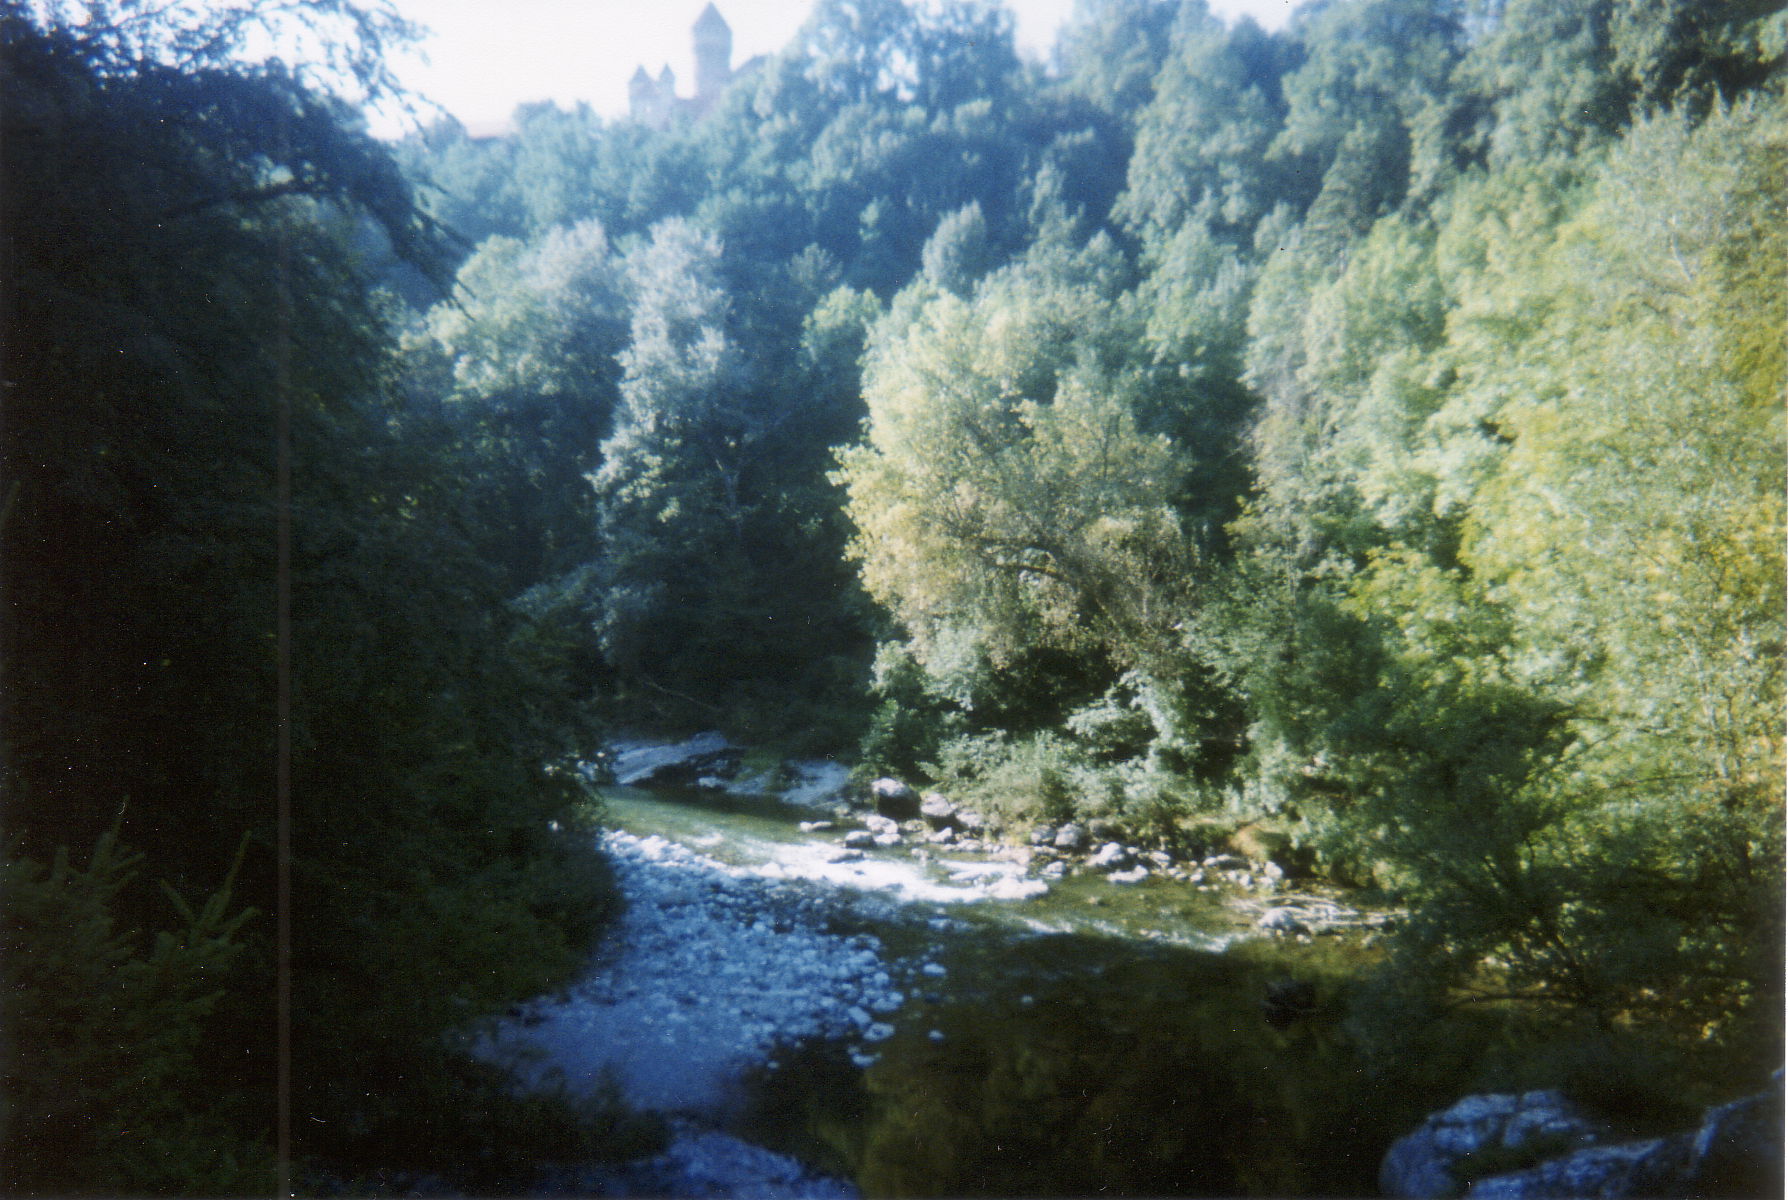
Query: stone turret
(713, 56)
(640, 91)
(654, 101)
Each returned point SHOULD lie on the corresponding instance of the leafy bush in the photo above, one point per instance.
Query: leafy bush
(107, 1084)
(1042, 779)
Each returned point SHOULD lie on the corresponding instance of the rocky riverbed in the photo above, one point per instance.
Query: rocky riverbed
(711, 968)
(874, 990)
(1261, 875)
(744, 940)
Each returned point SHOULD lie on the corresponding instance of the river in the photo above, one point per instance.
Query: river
(819, 1023)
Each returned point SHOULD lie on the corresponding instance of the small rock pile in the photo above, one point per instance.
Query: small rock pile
(1303, 917)
(897, 815)
(1097, 846)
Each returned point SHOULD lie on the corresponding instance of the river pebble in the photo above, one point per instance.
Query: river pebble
(709, 968)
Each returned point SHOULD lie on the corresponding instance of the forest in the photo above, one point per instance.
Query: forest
(1373, 428)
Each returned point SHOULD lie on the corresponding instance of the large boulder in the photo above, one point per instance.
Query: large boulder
(1070, 837)
(937, 811)
(1737, 1151)
(1650, 1168)
(1424, 1163)
(895, 799)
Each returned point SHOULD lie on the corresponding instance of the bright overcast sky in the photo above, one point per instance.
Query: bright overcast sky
(487, 56)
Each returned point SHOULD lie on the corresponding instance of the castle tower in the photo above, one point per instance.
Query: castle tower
(641, 91)
(713, 57)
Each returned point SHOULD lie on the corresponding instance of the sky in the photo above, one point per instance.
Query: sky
(486, 56)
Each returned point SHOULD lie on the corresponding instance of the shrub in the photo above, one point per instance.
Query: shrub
(106, 1089)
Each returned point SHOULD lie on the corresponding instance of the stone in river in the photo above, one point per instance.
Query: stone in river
(1069, 837)
(937, 810)
(894, 799)
(1109, 856)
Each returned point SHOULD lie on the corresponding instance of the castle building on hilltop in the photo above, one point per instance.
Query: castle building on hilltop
(655, 102)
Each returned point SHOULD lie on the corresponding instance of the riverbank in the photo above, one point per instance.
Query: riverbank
(821, 997)
(768, 984)
(1260, 874)
(709, 970)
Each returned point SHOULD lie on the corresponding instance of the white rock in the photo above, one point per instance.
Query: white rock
(1110, 855)
(1069, 837)
(936, 808)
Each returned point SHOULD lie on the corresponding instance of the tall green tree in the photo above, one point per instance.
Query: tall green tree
(522, 361)
(243, 603)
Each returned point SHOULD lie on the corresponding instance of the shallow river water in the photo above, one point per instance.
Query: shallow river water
(889, 1026)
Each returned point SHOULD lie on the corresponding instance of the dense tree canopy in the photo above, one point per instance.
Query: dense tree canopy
(251, 641)
(1338, 425)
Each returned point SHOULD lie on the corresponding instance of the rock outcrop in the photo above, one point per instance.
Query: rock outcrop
(680, 764)
(1737, 1151)
(1433, 1160)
